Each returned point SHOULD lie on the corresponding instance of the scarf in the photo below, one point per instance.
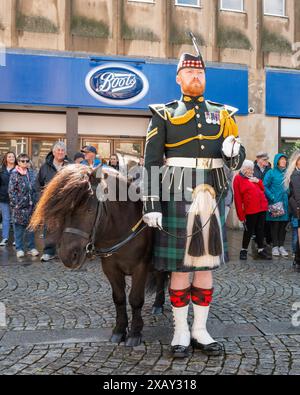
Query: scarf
(23, 172)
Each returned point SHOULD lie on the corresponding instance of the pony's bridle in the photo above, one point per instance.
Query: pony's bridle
(91, 237)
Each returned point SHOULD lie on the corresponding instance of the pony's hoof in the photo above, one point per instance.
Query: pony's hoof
(118, 338)
(133, 341)
(157, 310)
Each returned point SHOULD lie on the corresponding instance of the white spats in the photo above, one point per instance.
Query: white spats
(182, 335)
(199, 330)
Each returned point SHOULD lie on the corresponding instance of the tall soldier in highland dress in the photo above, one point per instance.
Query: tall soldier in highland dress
(196, 136)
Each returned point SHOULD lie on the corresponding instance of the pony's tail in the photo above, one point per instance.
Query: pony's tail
(156, 279)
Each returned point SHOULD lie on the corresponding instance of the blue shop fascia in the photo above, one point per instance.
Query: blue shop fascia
(104, 100)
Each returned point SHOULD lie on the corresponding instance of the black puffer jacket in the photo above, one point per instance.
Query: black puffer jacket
(46, 173)
(4, 181)
(294, 201)
(260, 174)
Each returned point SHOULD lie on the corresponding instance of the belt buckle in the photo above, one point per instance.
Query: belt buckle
(203, 163)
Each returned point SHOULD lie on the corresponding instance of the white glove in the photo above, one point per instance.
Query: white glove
(154, 220)
(228, 144)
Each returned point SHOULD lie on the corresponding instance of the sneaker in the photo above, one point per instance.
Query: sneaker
(263, 255)
(33, 252)
(243, 255)
(20, 254)
(275, 251)
(47, 258)
(4, 243)
(283, 252)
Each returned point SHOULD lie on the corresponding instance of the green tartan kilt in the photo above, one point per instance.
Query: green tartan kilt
(169, 252)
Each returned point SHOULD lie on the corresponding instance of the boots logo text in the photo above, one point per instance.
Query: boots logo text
(116, 84)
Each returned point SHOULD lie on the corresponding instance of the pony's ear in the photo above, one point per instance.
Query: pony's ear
(96, 175)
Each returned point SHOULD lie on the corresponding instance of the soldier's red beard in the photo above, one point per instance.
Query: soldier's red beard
(194, 88)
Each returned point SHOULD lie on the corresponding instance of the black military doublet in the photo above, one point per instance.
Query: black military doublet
(197, 121)
(188, 128)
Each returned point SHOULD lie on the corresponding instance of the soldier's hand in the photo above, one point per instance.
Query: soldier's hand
(231, 147)
(154, 220)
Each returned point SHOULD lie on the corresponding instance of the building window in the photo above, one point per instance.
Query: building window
(274, 7)
(142, 1)
(232, 5)
(188, 3)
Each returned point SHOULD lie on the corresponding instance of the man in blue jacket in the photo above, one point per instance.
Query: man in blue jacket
(90, 154)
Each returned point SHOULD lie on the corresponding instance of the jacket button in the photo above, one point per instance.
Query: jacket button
(198, 115)
(199, 125)
(202, 147)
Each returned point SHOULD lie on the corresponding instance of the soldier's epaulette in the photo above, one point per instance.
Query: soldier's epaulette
(213, 103)
(171, 103)
(161, 109)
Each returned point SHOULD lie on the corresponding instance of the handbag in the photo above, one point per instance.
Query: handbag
(277, 210)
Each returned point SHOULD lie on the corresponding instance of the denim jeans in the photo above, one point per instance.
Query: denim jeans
(5, 210)
(21, 234)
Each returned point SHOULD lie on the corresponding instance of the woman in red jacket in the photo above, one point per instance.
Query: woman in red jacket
(251, 206)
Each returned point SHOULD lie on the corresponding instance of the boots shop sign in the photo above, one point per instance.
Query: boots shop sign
(117, 84)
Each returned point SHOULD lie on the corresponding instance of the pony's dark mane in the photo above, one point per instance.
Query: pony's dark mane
(70, 190)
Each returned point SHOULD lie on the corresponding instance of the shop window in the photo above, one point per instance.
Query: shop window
(103, 147)
(289, 146)
(39, 151)
(129, 151)
(16, 145)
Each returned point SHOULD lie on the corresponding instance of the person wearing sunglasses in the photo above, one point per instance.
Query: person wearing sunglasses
(22, 197)
(9, 162)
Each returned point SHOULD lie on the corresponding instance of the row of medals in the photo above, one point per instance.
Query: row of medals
(213, 118)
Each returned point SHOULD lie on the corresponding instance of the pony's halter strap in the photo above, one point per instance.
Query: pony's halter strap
(78, 232)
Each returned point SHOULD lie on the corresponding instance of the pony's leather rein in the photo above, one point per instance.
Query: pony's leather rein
(105, 252)
(135, 231)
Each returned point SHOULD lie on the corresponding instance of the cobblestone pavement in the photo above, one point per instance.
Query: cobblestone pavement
(59, 322)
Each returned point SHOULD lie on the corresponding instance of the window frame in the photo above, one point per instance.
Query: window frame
(232, 10)
(199, 5)
(142, 1)
(276, 15)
